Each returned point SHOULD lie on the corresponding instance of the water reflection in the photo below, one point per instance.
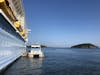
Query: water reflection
(26, 66)
(36, 66)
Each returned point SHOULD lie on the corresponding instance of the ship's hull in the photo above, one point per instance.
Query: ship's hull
(11, 43)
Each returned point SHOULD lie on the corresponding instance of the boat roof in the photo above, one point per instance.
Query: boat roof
(35, 45)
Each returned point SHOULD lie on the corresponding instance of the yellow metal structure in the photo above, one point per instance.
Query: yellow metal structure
(23, 33)
(4, 5)
(2, 1)
(18, 26)
(25, 37)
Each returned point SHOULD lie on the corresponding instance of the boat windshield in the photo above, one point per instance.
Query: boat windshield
(35, 48)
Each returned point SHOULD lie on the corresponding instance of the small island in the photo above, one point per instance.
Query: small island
(85, 45)
(43, 46)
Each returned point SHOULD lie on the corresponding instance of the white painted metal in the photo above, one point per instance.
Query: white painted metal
(10, 22)
(38, 46)
(11, 47)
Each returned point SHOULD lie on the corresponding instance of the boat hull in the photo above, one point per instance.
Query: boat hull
(11, 43)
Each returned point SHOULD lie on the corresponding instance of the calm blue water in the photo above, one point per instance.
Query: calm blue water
(59, 61)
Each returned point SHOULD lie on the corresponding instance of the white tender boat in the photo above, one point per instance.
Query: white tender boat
(35, 51)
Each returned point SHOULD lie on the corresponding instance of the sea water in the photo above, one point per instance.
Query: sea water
(59, 61)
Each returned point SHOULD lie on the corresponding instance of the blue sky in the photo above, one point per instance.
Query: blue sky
(63, 23)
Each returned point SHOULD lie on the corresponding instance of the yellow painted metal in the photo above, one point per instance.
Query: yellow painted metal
(25, 37)
(23, 33)
(4, 5)
(20, 29)
(17, 24)
(2, 1)
(7, 10)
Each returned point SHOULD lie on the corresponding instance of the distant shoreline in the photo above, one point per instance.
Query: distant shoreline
(85, 46)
